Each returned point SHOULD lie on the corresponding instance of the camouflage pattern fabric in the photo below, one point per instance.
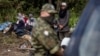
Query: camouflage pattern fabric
(49, 8)
(44, 39)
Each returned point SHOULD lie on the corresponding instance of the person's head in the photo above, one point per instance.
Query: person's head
(47, 10)
(47, 13)
(63, 5)
(30, 15)
(19, 14)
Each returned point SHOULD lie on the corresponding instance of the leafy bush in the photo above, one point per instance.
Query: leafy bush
(73, 19)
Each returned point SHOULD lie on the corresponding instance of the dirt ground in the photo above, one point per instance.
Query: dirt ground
(10, 50)
(9, 46)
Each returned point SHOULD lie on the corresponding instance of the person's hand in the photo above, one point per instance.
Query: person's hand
(60, 52)
(61, 26)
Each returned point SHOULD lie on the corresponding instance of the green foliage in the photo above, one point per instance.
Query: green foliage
(32, 10)
(76, 8)
(73, 19)
(7, 39)
(12, 7)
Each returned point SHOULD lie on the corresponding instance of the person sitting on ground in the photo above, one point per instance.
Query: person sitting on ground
(21, 24)
(32, 20)
(31, 23)
(20, 28)
(19, 17)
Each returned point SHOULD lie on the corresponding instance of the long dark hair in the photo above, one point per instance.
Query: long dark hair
(62, 13)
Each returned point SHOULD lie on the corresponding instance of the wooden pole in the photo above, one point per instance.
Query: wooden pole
(58, 4)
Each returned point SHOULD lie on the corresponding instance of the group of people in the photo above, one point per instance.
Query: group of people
(25, 22)
(45, 40)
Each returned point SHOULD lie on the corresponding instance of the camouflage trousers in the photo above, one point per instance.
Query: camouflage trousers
(32, 53)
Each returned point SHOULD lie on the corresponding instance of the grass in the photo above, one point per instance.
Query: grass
(8, 39)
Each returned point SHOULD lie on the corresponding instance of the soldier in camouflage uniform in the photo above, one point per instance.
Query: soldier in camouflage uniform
(45, 39)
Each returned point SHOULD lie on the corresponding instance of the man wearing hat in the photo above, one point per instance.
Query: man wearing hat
(45, 39)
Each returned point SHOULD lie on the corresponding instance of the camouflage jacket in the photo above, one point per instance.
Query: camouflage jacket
(44, 38)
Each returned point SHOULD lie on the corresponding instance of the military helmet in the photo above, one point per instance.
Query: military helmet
(49, 8)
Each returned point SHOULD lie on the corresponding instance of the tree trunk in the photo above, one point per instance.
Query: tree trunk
(58, 4)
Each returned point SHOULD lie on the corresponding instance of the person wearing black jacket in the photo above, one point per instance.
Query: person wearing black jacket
(63, 21)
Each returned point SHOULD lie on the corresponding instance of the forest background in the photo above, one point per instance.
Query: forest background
(12, 7)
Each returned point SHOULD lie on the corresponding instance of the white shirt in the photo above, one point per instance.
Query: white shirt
(65, 41)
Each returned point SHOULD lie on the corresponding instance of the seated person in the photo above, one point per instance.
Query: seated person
(20, 28)
(31, 23)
